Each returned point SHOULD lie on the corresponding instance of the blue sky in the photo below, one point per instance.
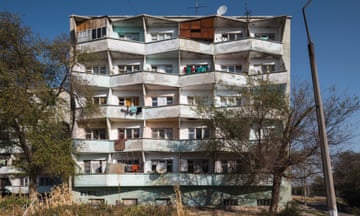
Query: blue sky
(334, 27)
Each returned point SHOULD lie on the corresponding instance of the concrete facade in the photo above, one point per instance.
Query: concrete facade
(150, 74)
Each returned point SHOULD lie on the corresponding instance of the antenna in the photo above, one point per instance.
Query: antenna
(196, 7)
(221, 10)
(247, 12)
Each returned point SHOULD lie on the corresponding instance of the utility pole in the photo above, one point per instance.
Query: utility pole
(324, 147)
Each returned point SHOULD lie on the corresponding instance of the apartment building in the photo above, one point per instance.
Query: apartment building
(149, 75)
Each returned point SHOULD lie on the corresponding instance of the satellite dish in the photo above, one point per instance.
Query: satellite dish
(221, 10)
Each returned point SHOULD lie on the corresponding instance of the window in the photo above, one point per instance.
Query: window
(98, 33)
(264, 68)
(130, 165)
(196, 166)
(161, 36)
(99, 100)
(229, 36)
(154, 102)
(162, 133)
(129, 36)
(265, 36)
(99, 70)
(199, 100)
(95, 134)
(169, 100)
(129, 101)
(263, 202)
(162, 68)
(188, 69)
(158, 165)
(230, 101)
(162, 202)
(198, 133)
(128, 68)
(230, 202)
(92, 34)
(230, 166)
(87, 167)
(129, 133)
(129, 202)
(231, 68)
(162, 101)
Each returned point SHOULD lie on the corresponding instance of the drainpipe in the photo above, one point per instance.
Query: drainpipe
(324, 147)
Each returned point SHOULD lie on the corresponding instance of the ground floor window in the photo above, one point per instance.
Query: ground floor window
(162, 201)
(129, 201)
(230, 202)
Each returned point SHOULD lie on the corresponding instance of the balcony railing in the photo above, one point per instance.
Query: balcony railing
(168, 179)
(108, 146)
(140, 48)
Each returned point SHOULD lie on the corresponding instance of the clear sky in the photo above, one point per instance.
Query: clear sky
(334, 27)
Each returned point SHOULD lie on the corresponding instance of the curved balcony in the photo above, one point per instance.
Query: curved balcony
(168, 179)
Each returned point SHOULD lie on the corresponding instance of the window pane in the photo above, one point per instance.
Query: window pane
(191, 133)
(198, 133)
(128, 133)
(103, 32)
(154, 133)
(136, 132)
(122, 101)
(169, 100)
(154, 101)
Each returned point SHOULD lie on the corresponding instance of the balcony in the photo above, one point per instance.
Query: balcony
(114, 112)
(161, 46)
(164, 145)
(6, 170)
(153, 78)
(171, 111)
(117, 45)
(93, 146)
(247, 45)
(168, 179)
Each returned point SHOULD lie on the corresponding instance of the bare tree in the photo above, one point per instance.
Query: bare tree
(274, 131)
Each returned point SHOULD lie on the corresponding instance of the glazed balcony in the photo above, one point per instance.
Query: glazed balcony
(167, 179)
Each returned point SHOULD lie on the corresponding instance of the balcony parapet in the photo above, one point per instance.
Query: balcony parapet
(167, 179)
(6, 170)
(182, 44)
(132, 145)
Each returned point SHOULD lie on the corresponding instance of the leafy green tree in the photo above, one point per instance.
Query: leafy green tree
(346, 177)
(35, 95)
(283, 128)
